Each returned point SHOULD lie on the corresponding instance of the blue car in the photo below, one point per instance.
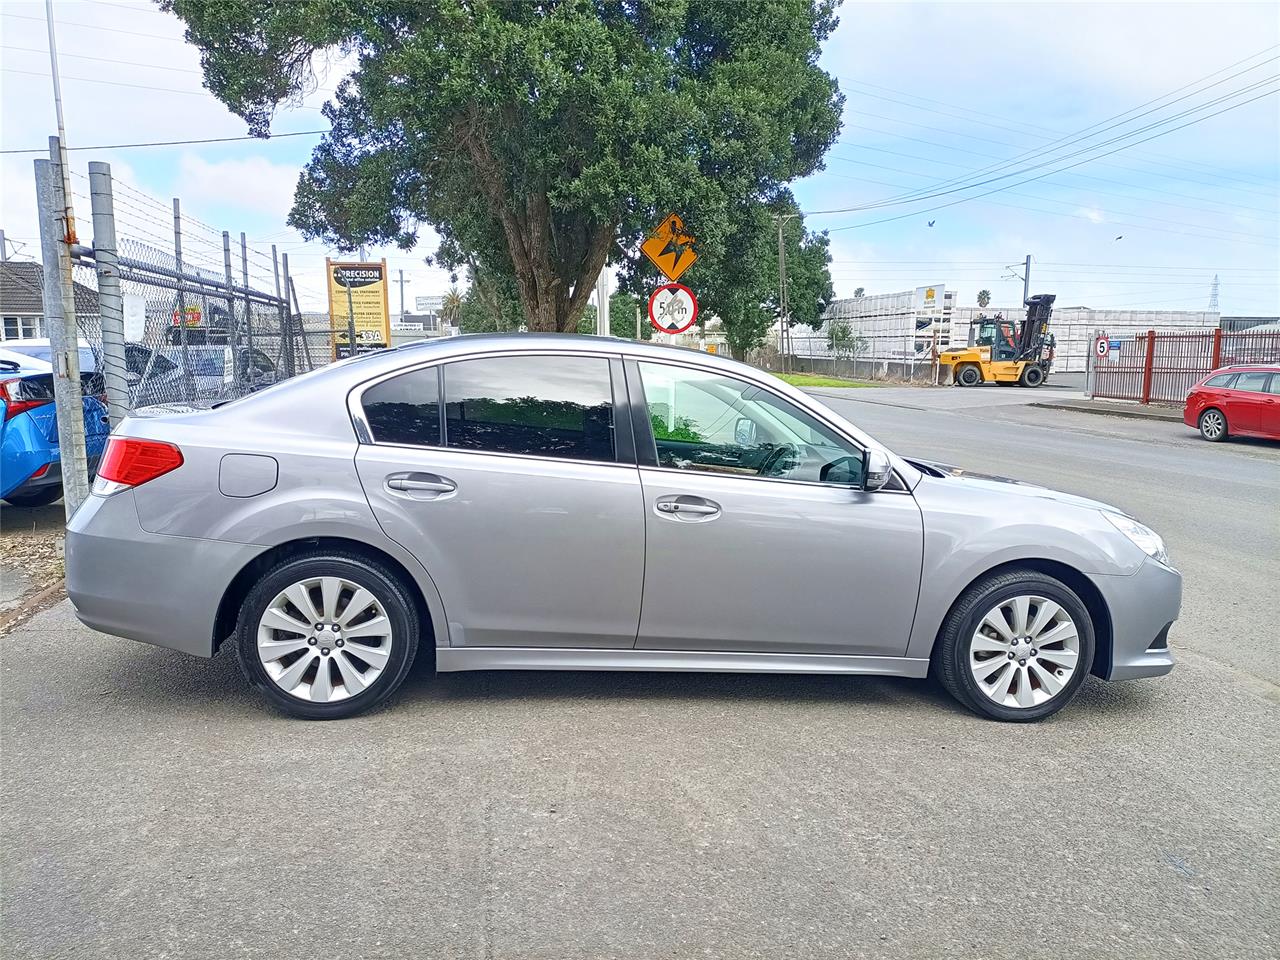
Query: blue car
(30, 464)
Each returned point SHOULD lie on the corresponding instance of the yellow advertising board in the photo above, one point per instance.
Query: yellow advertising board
(358, 296)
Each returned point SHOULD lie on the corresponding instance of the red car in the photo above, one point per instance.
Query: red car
(1242, 400)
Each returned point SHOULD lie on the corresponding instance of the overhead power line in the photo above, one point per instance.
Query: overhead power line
(938, 191)
(175, 143)
(1043, 175)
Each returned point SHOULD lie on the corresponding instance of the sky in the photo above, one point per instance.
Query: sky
(935, 92)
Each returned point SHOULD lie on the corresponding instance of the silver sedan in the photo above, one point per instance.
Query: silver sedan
(549, 502)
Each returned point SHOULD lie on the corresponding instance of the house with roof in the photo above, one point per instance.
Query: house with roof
(22, 301)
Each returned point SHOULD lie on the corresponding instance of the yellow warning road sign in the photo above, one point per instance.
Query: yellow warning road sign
(670, 247)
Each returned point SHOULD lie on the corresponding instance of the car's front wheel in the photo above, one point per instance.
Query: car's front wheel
(327, 636)
(1016, 646)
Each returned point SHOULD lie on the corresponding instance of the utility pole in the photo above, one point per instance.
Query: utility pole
(784, 327)
(61, 159)
(637, 322)
(60, 324)
(402, 296)
(110, 300)
(231, 312)
(4, 249)
(1026, 281)
(351, 315)
(249, 367)
(602, 303)
(187, 382)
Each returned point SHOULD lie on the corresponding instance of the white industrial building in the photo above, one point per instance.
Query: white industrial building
(894, 327)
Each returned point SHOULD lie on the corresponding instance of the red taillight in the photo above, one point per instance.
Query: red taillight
(130, 461)
(13, 404)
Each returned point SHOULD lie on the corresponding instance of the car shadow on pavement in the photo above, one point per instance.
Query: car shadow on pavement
(165, 680)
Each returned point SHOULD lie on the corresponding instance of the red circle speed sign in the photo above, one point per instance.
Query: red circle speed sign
(672, 308)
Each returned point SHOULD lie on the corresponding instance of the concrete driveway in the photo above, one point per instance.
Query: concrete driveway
(153, 807)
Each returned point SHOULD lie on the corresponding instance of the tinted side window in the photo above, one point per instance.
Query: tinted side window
(710, 422)
(1221, 380)
(534, 406)
(405, 409)
(1274, 385)
(1253, 382)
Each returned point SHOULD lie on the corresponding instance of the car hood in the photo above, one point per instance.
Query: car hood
(1006, 485)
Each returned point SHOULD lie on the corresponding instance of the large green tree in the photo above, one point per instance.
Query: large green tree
(531, 134)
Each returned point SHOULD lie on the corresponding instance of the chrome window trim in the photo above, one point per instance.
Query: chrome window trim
(763, 383)
(757, 479)
(364, 434)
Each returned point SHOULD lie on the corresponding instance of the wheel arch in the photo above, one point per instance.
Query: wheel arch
(1080, 584)
(229, 607)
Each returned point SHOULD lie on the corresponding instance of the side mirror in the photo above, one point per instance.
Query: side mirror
(877, 471)
(744, 432)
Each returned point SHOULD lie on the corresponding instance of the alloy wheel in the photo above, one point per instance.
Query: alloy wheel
(324, 639)
(1024, 651)
(1212, 424)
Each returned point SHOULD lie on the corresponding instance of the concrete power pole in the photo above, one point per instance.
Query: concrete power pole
(1026, 281)
(784, 331)
(402, 296)
(602, 303)
(60, 324)
(110, 300)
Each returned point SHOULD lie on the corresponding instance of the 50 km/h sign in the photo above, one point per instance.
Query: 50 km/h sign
(672, 308)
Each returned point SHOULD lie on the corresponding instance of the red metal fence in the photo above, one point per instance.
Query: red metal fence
(1165, 366)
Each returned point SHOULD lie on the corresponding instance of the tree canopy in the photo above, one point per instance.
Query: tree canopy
(532, 135)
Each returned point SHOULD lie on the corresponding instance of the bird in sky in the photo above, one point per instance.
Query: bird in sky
(1121, 237)
(932, 222)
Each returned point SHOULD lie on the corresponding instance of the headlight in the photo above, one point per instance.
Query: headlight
(1143, 537)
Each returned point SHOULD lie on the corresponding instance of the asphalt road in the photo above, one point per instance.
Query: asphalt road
(152, 807)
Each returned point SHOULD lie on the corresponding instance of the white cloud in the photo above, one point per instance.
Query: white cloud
(252, 183)
(1092, 214)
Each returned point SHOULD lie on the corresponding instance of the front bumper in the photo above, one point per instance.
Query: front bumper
(1142, 607)
(144, 586)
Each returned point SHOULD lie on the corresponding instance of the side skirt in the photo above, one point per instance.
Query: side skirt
(581, 658)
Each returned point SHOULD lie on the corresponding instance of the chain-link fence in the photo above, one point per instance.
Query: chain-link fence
(206, 315)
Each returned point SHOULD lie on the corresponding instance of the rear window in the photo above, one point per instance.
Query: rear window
(405, 409)
(544, 406)
(44, 352)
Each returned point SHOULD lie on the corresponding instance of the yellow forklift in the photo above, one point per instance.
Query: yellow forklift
(1006, 352)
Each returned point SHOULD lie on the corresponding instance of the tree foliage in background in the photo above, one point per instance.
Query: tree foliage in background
(843, 342)
(859, 292)
(984, 298)
(531, 135)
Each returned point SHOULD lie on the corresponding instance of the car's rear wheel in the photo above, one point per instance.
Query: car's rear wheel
(38, 497)
(326, 637)
(968, 376)
(1213, 425)
(1016, 646)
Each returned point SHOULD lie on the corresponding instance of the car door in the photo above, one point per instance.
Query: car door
(758, 535)
(1246, 402)
(508, 477)
(1271, 408)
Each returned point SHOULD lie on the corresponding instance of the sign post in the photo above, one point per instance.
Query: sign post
(359, 311)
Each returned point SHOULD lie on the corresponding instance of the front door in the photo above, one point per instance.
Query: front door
(516, 499)
(758, 536)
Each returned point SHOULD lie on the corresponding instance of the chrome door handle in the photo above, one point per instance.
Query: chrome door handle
(420, 483)
(687, 507)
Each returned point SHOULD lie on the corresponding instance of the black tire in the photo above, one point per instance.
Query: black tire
(951, 653)
(39, 497)
(395, 599)
(1209, 419)
(968, 376)
(1032, 375)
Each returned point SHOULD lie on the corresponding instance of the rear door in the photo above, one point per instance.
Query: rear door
(1271, 408)
(513, 479)
(1247, 401)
